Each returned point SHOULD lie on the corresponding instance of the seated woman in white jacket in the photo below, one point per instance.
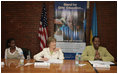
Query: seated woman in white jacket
(51, 52)
(12, 51)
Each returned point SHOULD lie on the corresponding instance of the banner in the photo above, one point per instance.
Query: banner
(70, 20)
(71, 47)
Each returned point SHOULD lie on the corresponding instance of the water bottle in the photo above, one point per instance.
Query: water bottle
(21, 59)
(28, 56)
(77, 59)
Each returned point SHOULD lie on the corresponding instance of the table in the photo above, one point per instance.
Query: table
(68, 66)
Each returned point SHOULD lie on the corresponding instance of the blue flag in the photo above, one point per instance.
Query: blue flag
(94, 31)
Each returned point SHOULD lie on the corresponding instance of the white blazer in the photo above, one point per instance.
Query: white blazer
(46, 54)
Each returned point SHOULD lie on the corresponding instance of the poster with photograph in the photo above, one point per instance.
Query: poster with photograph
(69, 21)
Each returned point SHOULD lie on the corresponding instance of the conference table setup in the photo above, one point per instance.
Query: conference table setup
(65, 66)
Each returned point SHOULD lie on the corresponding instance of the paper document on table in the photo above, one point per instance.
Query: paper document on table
(102, 65)
(82, 64)
(55, 61)
(2, 63)
(101, 62)
(28, 64)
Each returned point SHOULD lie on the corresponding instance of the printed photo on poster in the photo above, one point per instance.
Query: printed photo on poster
(69, 21)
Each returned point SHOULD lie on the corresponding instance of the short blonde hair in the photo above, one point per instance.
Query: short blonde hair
(50, 39)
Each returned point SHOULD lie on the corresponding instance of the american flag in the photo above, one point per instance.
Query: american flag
(43, 33)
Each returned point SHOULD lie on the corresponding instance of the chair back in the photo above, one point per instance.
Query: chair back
(26, 52)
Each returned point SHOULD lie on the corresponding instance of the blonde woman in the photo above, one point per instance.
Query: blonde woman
(51, 52)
